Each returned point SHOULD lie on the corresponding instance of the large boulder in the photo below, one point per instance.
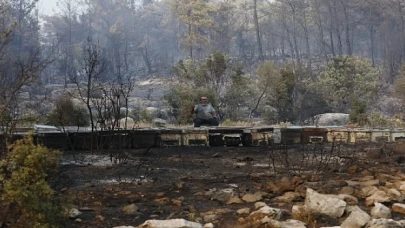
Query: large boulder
(330, 119)
(324, 204)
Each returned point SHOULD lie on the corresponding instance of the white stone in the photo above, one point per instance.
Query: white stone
(357, 219)
(74, 213)
(209, 225)
(243, 211)
(259, 205)
(274, 213)
(377, 197)
(384, 223)
(380, 211)
(324, 204)
(171, 223)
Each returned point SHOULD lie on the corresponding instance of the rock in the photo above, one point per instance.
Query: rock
(160, 194)
(243, 211)
(366, 178)
(157, 122)
(378, 197)
(297, 211)
(337, 183)
(270, 212)
(352, 169)
(289, 197)
(241, 220)
(395, 195)
(330, 119)
(349, 190)
(259, 205)
(161, 201)
(296, 180)
(210, 217)
(234, 200)
(99, 218)
(209, 225)
(387, 177)
(370, 183)
(324, 204)
(349, 199)
(180, 185)
(251, 198)
(222, 195)
(399, 207)
(177, 202)
(78, 220)
(384, 223)
(171, 223)
(88, 185)
(357, 219)
(367, 191)
(74, 213)
(380, 211)
(285, 224)
(124, 227)
(130, 209)
(293, 223)
(285, 185)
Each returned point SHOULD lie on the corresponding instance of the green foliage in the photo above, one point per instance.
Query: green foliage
(182, 100)
(358, 112)
(238, 94)
(380, 120)
(345, 78)
(213, 73)
(66, 113)
(278, 87)
(214, 78)
(283, 94)
(25, 193)
(195, 14)
(399, 86)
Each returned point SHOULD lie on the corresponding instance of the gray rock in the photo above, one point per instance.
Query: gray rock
(74, 213)
(170, 223)
(380, 211)
(130, 209)
(209, 225)
(324, 204)
(270, 212)
(330, 119)
(243, 211)
(357, 219)
(377, 197)
(222, 195)
(384, 223)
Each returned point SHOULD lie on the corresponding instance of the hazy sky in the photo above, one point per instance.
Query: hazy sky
(46, 6)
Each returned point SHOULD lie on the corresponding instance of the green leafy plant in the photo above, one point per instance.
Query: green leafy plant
(24, 191)
(66, 113)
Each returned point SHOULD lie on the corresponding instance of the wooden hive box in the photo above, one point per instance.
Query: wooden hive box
(170, 137)
(338, 135)
(195, 137)
(257, 136)
(144, 138)
(291, 135)
(314, 135)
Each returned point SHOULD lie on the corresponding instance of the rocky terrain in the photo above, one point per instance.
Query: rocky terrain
(233, 187)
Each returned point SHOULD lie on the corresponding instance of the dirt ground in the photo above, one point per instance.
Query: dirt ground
(167, 183)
